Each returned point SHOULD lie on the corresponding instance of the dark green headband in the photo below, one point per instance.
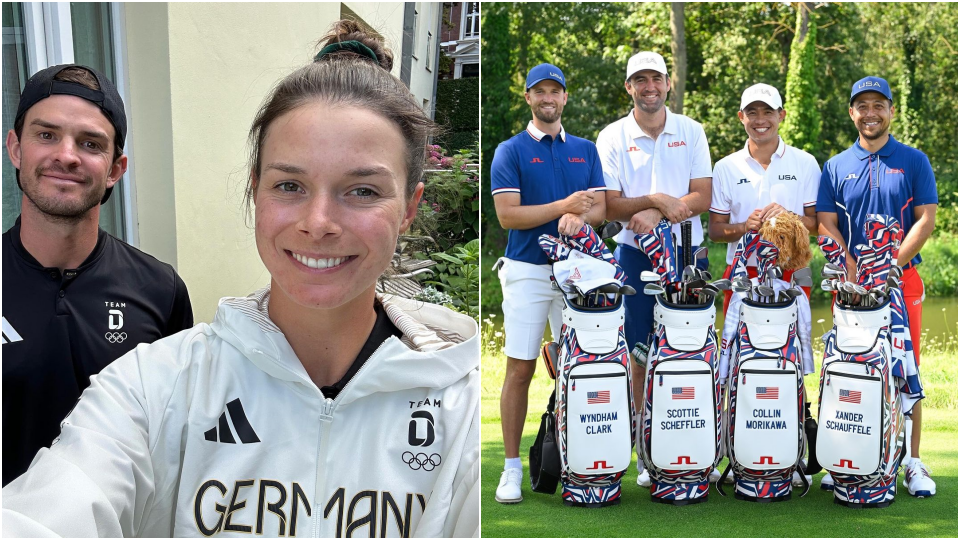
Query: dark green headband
(352, 46)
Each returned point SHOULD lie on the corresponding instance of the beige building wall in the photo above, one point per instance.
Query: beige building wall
(198, 74)
(425, 51)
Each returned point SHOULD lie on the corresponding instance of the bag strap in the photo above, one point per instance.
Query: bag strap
(723, 477)
(803, 477)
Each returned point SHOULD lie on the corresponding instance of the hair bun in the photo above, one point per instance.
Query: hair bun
(350, 30)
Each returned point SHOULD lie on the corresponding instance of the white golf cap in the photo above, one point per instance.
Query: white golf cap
(646, 60)
(761, 92)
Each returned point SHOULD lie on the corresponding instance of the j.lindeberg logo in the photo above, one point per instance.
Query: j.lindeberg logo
(222, 433)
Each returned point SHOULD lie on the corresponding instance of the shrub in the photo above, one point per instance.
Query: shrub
(457, 274)
(451, 203)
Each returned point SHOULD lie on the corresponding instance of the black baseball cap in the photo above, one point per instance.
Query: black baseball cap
(42, 85)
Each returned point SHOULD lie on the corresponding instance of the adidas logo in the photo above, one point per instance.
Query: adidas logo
(9, 334)
(241, 426)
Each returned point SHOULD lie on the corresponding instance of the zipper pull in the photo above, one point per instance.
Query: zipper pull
(867, 370)
(744, 379)
(828, 379)
(574, 387)
(661, 380)
(779, 358)
(328, 406)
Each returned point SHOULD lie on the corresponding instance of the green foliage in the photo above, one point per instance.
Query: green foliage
(458, 275)
(801, 127)
(458, 111)
(431, 295)
(449, 210)
(939, 266)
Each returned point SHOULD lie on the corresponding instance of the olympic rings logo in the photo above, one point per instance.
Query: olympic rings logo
(115, 337)
(421, 461)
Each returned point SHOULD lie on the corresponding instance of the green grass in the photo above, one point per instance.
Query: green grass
(815, 515)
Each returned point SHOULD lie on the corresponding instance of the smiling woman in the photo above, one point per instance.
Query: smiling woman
(312, 393)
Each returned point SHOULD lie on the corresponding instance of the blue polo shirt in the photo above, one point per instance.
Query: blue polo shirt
(542, 169)
(891, 182)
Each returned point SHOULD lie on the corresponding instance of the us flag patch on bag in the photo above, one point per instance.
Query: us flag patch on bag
(602, 396)
(850, 396)
(765, 392)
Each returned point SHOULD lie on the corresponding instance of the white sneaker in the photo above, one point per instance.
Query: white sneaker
(826, 483)
(797, 482)
(917, 480)
(643, 479)
(508, 492)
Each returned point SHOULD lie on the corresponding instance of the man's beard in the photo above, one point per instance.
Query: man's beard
(547, 118)
(638, 103)
(880, 133)
(58, 208)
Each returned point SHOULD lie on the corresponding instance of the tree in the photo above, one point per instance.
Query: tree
(678, 47)
(801, 127)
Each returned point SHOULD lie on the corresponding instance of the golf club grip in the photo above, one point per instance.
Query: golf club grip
(686, 232)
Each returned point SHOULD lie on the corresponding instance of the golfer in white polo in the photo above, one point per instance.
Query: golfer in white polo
(764, 179)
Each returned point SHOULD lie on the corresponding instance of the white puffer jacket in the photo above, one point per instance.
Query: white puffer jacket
(219, 430)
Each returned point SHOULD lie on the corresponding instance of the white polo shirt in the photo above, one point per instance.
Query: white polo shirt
(636, 165)
(741, 185)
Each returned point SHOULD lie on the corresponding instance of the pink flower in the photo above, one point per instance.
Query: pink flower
(433, 161)
(445, 162)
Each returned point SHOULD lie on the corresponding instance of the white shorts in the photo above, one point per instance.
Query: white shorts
(529, 302)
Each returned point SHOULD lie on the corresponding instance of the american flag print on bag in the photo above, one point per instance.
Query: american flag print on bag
(765, 392)
(850, 396)
(601, 396)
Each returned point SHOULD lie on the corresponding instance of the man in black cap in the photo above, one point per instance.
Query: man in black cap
(74, 297)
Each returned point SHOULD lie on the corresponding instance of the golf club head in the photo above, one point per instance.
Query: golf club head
(652, 289)
(649, 277)
(627, 290)
(723, 284)
(611, 288)
(802, 281)
(611, 229)
(765, 290)
(833, 271)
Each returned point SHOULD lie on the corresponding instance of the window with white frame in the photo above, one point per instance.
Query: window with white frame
(37, 35)
(470, 26)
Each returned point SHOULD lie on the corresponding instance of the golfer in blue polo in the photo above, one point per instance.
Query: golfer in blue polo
(881, 175)
(544, 181)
